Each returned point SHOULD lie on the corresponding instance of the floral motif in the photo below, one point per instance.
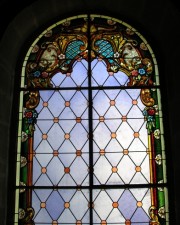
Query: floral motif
(35, 49)
(61, 56)
(157, 134)
(21, 213)
(30, 120)
(23, 185)
(158, 159)
(116, 55)
(37, 74)
(142, 71)
(151, 111)
(24, 136)
(114, 68)
(161, 212)
(23, 161)
(134, 73)
(149, 114)
(143, 46)
(44, 74)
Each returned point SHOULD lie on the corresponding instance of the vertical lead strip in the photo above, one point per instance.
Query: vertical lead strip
(90, 120)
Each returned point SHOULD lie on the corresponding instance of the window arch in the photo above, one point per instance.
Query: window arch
(90, 139)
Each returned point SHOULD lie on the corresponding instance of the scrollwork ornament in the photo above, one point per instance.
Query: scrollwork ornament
(146, 98)
(26, 216)
(32, 99)
(153, 215)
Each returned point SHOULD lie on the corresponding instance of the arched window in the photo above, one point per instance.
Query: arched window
(90, 138)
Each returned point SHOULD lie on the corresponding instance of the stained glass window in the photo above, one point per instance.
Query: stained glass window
(90, 138)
